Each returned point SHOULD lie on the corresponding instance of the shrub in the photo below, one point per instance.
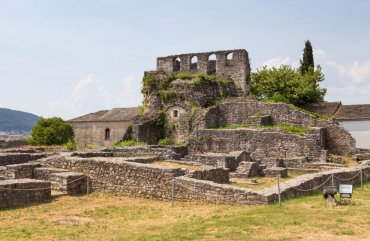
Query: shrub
(51, 131)
(165, 141)
(286, 84)
(70, 145)
(91, 146)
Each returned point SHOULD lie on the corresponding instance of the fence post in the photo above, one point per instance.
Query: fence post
(361, 179)
(332, 180)
(87, 185)
(278, 184)
(173, 192)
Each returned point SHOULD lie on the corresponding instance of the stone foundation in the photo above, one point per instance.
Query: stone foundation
(12, 195)
(18, 158)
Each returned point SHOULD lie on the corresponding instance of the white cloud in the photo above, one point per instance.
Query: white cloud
(319, 54)
(357, 72)
(278, 61)
(90, 95)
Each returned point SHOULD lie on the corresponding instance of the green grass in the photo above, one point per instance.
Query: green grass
(288, 128)
(129, 143)
(109, 217)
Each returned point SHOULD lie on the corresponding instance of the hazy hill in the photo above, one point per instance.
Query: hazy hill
(13, 120)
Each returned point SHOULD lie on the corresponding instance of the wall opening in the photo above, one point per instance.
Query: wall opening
(194, 63)
(230, 56)
(211, 68)
(107, 134)
(176, 64)
(175, 113)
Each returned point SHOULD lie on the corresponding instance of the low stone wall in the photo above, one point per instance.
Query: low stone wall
(18, 158)
(168, 153)
(190, 189)
(12, 195)
(19, 171)
(227, 160)
(44, 173)
(70, 182)
(218, 175)
(264, 145)
(306, 184)
(115, 175)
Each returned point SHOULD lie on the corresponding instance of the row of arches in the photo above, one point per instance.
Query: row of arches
(194, 62)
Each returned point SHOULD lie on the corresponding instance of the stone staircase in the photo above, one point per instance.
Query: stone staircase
(246, 169)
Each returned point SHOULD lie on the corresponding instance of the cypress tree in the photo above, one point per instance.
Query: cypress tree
(307, 60)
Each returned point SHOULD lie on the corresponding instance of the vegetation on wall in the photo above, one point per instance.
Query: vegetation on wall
(51, 131)
(151, 83)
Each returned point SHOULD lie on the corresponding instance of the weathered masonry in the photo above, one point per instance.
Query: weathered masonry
(232, 64)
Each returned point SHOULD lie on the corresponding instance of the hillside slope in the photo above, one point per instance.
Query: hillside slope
(12, 120)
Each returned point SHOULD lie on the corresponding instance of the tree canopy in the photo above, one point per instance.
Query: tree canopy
(286, 84)
(51, 131)
(307, 61)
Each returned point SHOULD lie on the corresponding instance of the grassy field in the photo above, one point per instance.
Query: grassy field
(108, 217)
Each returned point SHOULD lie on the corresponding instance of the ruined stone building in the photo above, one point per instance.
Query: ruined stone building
(194, 99)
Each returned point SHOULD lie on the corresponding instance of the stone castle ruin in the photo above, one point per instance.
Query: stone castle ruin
(219, 134)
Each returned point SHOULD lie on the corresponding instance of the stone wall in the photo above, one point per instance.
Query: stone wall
(19, 171)
(190, 189)
(237, 111)
(218, 175)
(264, 145)
(12, 195)
(114, 175)
(237, 67)
(18, 158)
(93, 133)
(302, 185)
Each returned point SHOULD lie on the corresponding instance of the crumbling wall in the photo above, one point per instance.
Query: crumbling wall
(264, 145)
(237, 110)
(114, 175)
(237, 67)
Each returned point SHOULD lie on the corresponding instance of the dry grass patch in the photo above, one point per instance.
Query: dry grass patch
(107, 217)
(177, 165)
(263, 181)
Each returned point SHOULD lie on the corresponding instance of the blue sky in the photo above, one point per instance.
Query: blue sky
(72, 57)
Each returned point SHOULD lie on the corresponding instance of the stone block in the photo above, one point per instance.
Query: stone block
(70, 182)
(19, 171)
(247, 169)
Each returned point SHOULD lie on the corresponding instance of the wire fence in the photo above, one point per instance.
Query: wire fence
(197, 191)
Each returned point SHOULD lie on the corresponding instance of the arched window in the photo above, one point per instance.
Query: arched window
(230, 56)
(176, 64)
(211, 68)
(107, 134)
(194, 63)
(175, 113)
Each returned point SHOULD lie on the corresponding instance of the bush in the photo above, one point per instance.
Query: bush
(165, 141)
(70, 145)
(91, 146)
(286, 84)
(51, 131)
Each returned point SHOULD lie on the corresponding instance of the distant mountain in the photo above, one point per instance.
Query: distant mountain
(16, 121)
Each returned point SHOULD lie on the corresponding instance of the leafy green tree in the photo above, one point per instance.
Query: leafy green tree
(51, 131)
(286, 84)
(307, 61)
